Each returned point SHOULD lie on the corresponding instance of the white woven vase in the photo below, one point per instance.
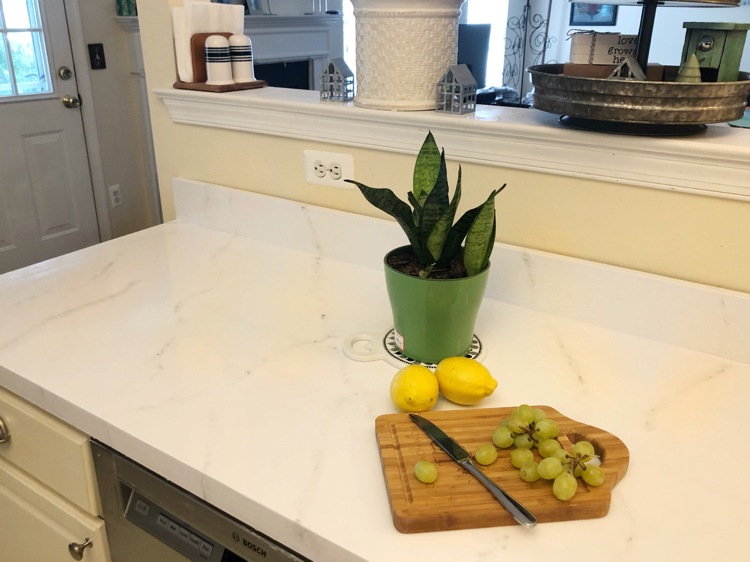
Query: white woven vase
(403, 48)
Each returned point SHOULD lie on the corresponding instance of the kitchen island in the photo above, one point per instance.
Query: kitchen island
(210, 351)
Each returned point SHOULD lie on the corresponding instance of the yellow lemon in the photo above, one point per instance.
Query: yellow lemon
(464, 381)
(414, 389)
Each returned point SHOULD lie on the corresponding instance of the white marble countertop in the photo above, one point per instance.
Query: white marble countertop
(215, 359)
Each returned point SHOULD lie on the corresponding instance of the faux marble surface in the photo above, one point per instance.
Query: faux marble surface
(215, 359)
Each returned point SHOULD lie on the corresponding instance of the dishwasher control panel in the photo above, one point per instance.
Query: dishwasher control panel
(150, 517)
(193, 544)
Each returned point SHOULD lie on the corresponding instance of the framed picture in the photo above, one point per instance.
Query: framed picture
(593, 14)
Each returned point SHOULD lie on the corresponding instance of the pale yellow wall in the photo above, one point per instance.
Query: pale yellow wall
(119, 108)
(684, 236)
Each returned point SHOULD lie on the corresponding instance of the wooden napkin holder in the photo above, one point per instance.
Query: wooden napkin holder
(200, 74)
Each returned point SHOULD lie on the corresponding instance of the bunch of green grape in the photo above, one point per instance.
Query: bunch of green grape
(529, 428)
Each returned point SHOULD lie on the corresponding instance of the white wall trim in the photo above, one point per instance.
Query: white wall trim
(271, 24)
(96, 166)
(716, 163)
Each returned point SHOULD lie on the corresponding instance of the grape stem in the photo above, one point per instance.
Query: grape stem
(530, 432)
(579, 460)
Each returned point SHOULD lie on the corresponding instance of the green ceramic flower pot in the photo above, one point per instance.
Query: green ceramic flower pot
(434, 318)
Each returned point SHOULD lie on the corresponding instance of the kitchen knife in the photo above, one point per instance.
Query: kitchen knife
(459, 455)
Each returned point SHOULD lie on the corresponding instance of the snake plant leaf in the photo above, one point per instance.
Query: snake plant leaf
(427, 167)
(417, 213)
(456, 236)
(436, 202)
(425, 273)
(387, 201)
(439, 234)
(441, 184)
(491, 245)
(479, 238)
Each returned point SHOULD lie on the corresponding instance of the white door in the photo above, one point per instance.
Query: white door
(37, 525)
(46, 197)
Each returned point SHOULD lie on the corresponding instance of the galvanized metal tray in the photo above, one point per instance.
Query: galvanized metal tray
(630, 101)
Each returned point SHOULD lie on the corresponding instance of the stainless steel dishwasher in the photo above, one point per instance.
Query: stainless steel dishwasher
(149, 519)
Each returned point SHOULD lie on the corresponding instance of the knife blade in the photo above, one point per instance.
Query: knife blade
(462, 457)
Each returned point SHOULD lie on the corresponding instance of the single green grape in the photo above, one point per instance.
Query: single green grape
(547, 447)
(577, 470)
(561, 454)
(520, 457)
(593, 475)
(565, 486)
(555, 429)
(539, 415)
(425, 472)
(526, 412)
(485, 454)
(530, 472)
(550, 468)
(502, 437)
(584, 448)
(505, 422)
(523, 441)
(544, 428)
(517, 424)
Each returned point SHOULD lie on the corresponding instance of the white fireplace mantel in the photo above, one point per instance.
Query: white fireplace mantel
(316, 38)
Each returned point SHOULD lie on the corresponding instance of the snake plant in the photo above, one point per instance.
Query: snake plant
(428, 223)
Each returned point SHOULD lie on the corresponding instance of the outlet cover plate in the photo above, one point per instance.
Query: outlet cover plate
(346, 161)
(115, 196)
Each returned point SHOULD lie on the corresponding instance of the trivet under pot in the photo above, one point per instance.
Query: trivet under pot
(371, 346)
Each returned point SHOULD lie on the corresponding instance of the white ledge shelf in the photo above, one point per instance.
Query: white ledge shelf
(128, 23)
(715, 163)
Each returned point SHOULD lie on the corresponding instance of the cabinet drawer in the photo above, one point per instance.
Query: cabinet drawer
(49, 450)
(37, 525)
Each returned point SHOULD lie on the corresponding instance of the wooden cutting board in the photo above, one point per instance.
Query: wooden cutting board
(456, 500)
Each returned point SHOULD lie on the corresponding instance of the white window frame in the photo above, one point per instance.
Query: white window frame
(41, 52)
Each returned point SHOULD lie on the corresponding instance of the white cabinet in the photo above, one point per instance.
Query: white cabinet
(49, 450)
(37, 525)
(48, 493)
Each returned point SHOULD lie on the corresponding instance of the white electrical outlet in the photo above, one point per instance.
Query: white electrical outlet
(115, 196)
(334, 170)
(329, 168)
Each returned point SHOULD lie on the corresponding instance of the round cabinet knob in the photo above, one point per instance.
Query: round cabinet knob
(76, 550)
(71, 102)
(4, 433)
(706, 43)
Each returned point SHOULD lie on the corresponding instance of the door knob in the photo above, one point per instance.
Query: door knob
(76, 550)
(4, 433)
(71, 102)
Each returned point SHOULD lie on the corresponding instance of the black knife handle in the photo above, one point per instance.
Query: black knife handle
(519, 512)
